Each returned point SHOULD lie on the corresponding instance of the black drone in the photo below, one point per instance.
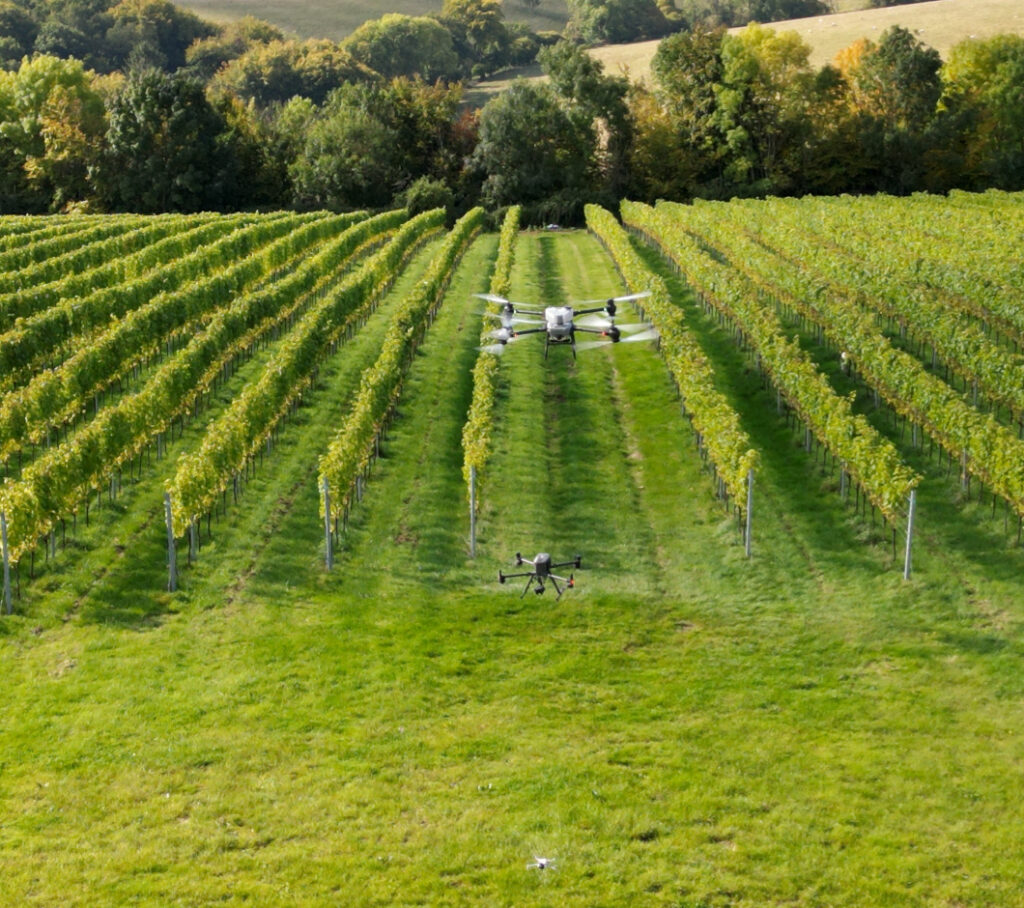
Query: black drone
(558, 324)
(541, 572)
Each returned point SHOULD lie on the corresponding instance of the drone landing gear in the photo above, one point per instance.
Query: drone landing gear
(539, 588)
(542, 572)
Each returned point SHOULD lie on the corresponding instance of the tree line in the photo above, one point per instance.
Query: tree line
(161, 111)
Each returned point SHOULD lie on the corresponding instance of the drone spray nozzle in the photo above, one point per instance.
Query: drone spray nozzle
(501, 577)
(610, 308)
(519, 558)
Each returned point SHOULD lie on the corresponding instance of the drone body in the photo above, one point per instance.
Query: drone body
(559, 326)
(541, 573)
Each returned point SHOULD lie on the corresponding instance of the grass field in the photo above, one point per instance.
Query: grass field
(684, 728)
(327, 19)
(939, 23)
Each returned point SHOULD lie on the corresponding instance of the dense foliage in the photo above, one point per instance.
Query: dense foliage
(143, 107)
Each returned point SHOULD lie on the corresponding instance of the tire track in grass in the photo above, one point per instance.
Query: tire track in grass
(592, 464)
(412, 524)
(517, 510)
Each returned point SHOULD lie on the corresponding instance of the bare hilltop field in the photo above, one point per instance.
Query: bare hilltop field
(331, 19)
(939, 23)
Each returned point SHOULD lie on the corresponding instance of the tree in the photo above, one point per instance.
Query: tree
(480, 36)
(165, 149)
(616, 21)
(370, 142)
(686, 67)
(399, 45)
(534, 152)
(760, 106)
(898, 81)
(275, 72)
(154, 33)
(52, 123)
(18, 32)
(348, 160)
(205, 57)
(984, 84)
(579, 80)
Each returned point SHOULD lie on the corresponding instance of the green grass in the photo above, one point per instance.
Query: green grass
(683, 728)
(325, 19)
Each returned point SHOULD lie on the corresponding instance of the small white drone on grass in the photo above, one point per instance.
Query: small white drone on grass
(540, 863)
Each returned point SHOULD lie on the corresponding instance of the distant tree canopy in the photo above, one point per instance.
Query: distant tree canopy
(166, 149)
(398, 45)
(616, 21)
(275, 71)
(535, 152)
(140, 105)
(369, 143)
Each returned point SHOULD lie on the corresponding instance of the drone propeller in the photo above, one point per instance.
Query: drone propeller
(617, 299)
(602, 324)
(648, 335)
(508, 320)
(498, 348)
(506, 304)
(593, 345)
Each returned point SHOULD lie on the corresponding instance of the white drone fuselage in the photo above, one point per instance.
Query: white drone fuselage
(558, 323)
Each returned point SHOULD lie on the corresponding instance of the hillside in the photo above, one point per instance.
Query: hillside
(939, 23)
(329, 19)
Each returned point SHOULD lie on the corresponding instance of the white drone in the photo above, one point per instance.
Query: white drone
(559, 325)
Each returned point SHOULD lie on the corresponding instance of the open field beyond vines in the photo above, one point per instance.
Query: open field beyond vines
(938, 23)
(686, 727)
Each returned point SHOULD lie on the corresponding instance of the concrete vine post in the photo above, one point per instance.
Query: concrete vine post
(750, 510)
(8, 602)
(328, 539)
(172, 555)
(472, 512)
(910, 532)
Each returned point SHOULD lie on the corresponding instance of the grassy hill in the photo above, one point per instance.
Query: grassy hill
(683, 728)
(330, 19)
(939, 23)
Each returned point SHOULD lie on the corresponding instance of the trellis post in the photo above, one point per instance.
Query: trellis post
(8, 601)
(328, 540)
(172, 555)
(910, 532)
(750, 509)
(472, 512)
